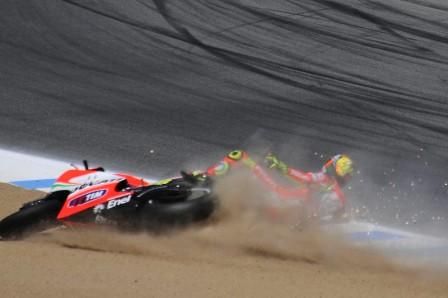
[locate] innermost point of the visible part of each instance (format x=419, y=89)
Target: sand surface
x=227, y=258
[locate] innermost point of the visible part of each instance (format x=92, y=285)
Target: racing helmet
x=340, y=167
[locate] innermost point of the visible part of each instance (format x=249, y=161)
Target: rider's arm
x=298, y=176
x=307, y=177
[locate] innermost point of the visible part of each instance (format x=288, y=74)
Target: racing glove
x=274, y=163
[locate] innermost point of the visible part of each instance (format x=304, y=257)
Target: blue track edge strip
x=34, y=184
x=375, y=235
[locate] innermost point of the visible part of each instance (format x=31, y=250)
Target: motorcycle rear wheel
x=156, y=215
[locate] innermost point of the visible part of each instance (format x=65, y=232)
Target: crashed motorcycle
x=93, y=196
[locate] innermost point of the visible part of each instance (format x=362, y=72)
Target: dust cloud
x=238, y=253
x=240, y=228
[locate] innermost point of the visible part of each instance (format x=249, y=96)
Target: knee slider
x=236, y=154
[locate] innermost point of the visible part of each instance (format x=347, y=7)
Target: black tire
x=155, y=214
x=32, y=219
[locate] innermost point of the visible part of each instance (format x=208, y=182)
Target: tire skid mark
x=273, y=70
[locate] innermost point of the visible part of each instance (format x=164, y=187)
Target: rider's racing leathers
x=319, y=191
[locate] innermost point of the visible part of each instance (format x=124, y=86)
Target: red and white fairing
x=91, y=188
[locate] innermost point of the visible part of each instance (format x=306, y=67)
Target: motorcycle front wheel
x=32, y=219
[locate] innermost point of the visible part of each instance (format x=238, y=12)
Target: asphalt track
x=155, y=86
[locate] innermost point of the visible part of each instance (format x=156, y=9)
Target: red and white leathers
x=319, y=191
x=328, y=195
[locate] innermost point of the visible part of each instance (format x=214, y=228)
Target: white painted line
x=18, y=166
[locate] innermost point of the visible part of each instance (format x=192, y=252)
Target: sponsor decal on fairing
x=87, y=198
x=117, y=202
